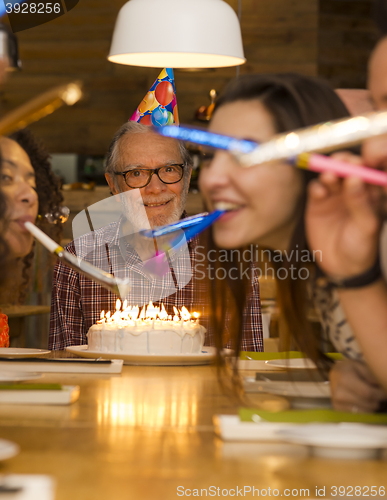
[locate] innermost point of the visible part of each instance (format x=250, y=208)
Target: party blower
x=197, y=223
x=118, y=286
x=174, y=236
x=297, y=146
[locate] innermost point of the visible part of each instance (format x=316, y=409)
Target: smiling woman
x=269, y=199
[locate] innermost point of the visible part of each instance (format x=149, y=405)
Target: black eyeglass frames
x=141, y=177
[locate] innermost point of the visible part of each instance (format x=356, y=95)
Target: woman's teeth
x=225, y=205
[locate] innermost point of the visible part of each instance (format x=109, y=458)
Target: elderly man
x=150, y=174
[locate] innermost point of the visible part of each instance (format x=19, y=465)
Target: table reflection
x=148, y=402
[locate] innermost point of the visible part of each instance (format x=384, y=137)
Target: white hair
x=131, y=127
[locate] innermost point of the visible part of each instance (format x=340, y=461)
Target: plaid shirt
x=77, y=301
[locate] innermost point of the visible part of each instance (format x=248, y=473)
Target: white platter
x=21, y=352
x=342, y=441
x=11, y=376
x=257, y=365
x=302, y=395
x=61, y=365
x=8, y=449
x=292, y=363
x=32, y=487
x=231, y=428
x=204, y=358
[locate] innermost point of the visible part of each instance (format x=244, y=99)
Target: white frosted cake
x=151, y=332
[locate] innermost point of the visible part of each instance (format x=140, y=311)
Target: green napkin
x=283, y=355
x=30, y=387
x=311, y=416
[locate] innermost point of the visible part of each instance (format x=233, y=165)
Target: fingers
x=360, y=206
x=348, y=157
x=353, y=386
x=351, y=390
x=374, y=152
x=327, y=185
x=356, y=197
x=317, y=191
x=331, y=182
x=365, y=373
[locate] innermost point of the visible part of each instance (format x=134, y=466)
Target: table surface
x=24, y=310
x=144, y=433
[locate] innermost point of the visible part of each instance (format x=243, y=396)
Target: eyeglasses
x=141, y=177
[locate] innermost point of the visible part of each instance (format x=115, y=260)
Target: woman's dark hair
x=49, y=195
x=294, y=101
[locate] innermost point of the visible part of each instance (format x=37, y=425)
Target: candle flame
x=163, y=315
x=184, y=313
x=127, y=315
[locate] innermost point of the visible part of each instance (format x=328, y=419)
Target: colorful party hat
x=159, y=106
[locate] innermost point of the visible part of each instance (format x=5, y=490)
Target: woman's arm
x=342, y=222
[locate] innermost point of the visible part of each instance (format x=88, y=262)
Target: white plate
x=67, y=395
x=302, y=395
x=204, y=358
x=8, y=449
x=345, y=440
x=292, y=363
x=231, y=428
x=21, y=352
x=18, y=376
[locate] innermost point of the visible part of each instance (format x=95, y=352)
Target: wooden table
x=142, y=434
x=17, y=321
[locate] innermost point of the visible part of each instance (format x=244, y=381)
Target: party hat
x=159, y=106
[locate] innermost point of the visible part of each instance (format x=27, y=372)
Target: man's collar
x=117, y=238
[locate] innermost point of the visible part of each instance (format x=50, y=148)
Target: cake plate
x=206, y=357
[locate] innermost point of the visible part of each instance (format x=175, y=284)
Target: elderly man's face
x=164, y=203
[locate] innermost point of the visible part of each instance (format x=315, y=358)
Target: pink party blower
x=321, y=163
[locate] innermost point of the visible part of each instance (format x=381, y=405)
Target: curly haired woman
x=29, y=187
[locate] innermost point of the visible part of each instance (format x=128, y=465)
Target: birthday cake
x=151, y=331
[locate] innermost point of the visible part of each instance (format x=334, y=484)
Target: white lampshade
x=177, y=34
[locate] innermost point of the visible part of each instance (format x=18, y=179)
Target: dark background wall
x=331, y=38
x=346, y=36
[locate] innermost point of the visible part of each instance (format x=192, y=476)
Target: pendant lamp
x=177, y=34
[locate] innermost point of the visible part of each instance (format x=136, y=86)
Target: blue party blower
x=194, y=225
x=191, y=227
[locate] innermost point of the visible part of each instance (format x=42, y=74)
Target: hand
x=374, y=152
x=354, y=388
x=342, y=224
